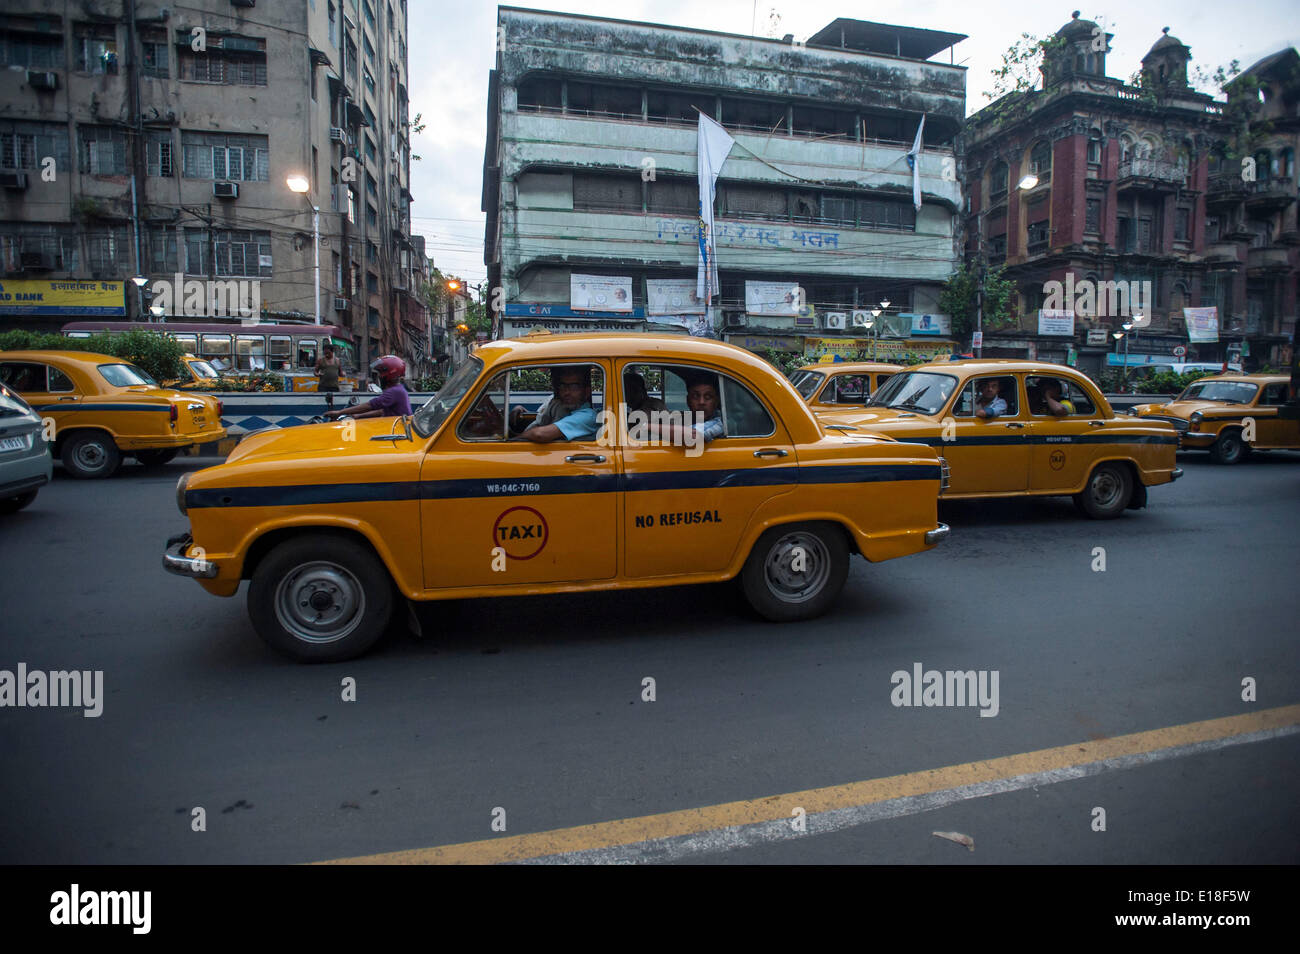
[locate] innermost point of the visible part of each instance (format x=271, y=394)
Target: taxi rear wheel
x=1107, y=492
x=796, y=571
x=320, y=598
x=91, y=454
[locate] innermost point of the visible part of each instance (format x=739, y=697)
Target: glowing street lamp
x=1028, y=182
x=301, y=184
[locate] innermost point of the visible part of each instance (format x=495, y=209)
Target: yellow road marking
x=626, y=831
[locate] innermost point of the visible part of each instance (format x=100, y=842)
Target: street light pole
x=315, y=242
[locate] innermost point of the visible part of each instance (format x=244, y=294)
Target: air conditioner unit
x=42, y=80
x=13, y=180
x=837, y=320
x=37, y=261
x=860, y=319
x=338, y=134
x=340, y=304
x=225, y=190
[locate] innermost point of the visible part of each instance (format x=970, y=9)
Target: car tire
x=1229, y=448
x=781, y=593
x=156, y=458
x=1107, y=492
x=91, y=455
x=14, y=504
x=321, y=598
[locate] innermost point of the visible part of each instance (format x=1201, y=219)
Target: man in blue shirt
x=569, y=415
x=988, y=403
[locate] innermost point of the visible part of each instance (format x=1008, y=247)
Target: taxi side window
x=1274, y=395
x=22, y=376
x=515, y=398
x=968, y=402
x=60, y=381
x=1067, y=393
x=744, y=413
x=1079, y=398
x=846, y=389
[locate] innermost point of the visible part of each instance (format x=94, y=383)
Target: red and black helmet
x=390, y=369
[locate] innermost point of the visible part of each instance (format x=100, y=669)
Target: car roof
x=841, y=366
x=544, y=346
x=1245, y=378
x=996, y=366
x=79, y=357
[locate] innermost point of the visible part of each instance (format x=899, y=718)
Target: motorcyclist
x=393, y=401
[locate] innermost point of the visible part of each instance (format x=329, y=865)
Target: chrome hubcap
x=1106, y=489
x=797, y=567
x=320, y=602
x=91, y=456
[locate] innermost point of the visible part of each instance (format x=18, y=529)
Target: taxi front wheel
x=320, y=598
x=1229, y=448
x=1107, y=492
x=796, y=571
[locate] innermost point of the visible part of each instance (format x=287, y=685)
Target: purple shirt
x=393, y=401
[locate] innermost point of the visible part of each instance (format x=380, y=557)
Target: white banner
x=930, y=324
x=1202, y=323
x=600, y=293
x=773, y=298
x=1055, y=321
x=713, y=144
x=673, y=296
x=914, y=161
x=698, y=326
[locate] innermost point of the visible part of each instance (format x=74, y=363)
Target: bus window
x=189, y=342
x=216, y=348
x=347, y=354
x=307, y=353
x=251, y=355
x=281, y=353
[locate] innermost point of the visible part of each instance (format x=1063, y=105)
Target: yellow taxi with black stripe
x=1013, y=427
x=834, y=385
x=105, y=408
x=1230, y=415
x=615, y=488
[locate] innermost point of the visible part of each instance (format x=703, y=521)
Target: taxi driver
x=568, y=416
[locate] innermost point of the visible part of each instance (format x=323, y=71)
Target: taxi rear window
x=123, y=375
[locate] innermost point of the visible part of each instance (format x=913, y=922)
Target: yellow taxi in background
x=104, y=408
x=1229, y=415
x=1013, y=427
x=829, y=387
x=198, y=375
x=331, y=521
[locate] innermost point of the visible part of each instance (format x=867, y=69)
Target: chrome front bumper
x=938, y=534
x=175, y=561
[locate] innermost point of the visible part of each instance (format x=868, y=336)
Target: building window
x=23, y=145
x=1216, y=291
x=225, y=157
x=599, y=99
x=1094, y=148
x=102, y=150
x=334, y=189
x=29, y=48
x=163, y=259
x=540, y=93
x=752, y=114
x=237, y=253
x=607, y=193
x=108, y=251
x=368, y=80
x=1040, y=161
x=96, y=47
x=758, y=202
x=228, y=61
x=824, y=123
x=367, y=49
x=886, y=214
x=1182, y=224
x=1092, y=220
x=153, y=59
x=315, y=170
x=673, y=197
x=158, y=154
x=998, y=176
x=38, y=247
x=668, y=107
x=372, y=283
x=370, y=150
x=372, y=216
x=334, y=25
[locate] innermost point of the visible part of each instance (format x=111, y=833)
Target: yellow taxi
x=104, y=408
x=829, y=387
x=199, y=375
x=606, y=485
x=1013, y=427
x=1229, y=415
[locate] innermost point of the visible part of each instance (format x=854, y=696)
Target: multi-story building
x=590, y=170
x=1252, y=237
x=1116, y=203
x=138, y=138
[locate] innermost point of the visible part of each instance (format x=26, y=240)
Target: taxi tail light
x=220, y=407
x=171, y=413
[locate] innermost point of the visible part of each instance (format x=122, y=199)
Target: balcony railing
x=1158, y=169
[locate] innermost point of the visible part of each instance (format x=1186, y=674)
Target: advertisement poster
x=698, y=326
x=1053, y=321
x=1202, y=323
x=67, y=298
x=673, y=296
x=772, y=298
x=600, y=293
x=930, y=324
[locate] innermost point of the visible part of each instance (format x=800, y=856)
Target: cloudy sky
x=452, y=50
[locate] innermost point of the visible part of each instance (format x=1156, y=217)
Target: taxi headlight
x=180, y=492
x=1194, y=422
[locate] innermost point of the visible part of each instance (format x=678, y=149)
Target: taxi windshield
x=921, y=391
x=201, y=369
x=435, y=410
x=125, y=375
x=805, y=382
x=1233, y=392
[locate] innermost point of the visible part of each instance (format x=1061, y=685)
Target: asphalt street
x=530, y=711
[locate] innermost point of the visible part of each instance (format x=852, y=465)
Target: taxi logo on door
x=1057, y=460
x=521, y=532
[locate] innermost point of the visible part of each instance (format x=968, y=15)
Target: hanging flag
x=914, y=163
x=713, y=145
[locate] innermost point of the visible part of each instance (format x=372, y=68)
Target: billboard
x=673, y=296
x=67, y=298
x=600, y=293
x=1202, y=323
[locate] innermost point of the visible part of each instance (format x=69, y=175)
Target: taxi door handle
x=770, y=452
x=1014, y=424
x=67, y=399
x=1096, y=423
x=585, y=458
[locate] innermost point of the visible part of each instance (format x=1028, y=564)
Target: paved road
x=535, y=705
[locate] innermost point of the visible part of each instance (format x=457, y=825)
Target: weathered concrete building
x=1124, y=175
x=590, y=170
x=139, y=138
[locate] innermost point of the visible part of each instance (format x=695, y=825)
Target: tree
x=1021, y=65
x=959, y=299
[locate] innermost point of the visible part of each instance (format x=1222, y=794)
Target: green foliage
x=787, y=362
x=959, y=299
x=1143, y=381
x=153, y=352
x=428, y=385
x=250, y=381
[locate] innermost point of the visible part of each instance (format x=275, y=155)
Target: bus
x=288, y=350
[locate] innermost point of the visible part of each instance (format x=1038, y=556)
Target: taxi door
x=495, y=511
x=1064, y=449
x=685, y=512
x=988, y=455
x=50, y=392
x=1272, y=430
